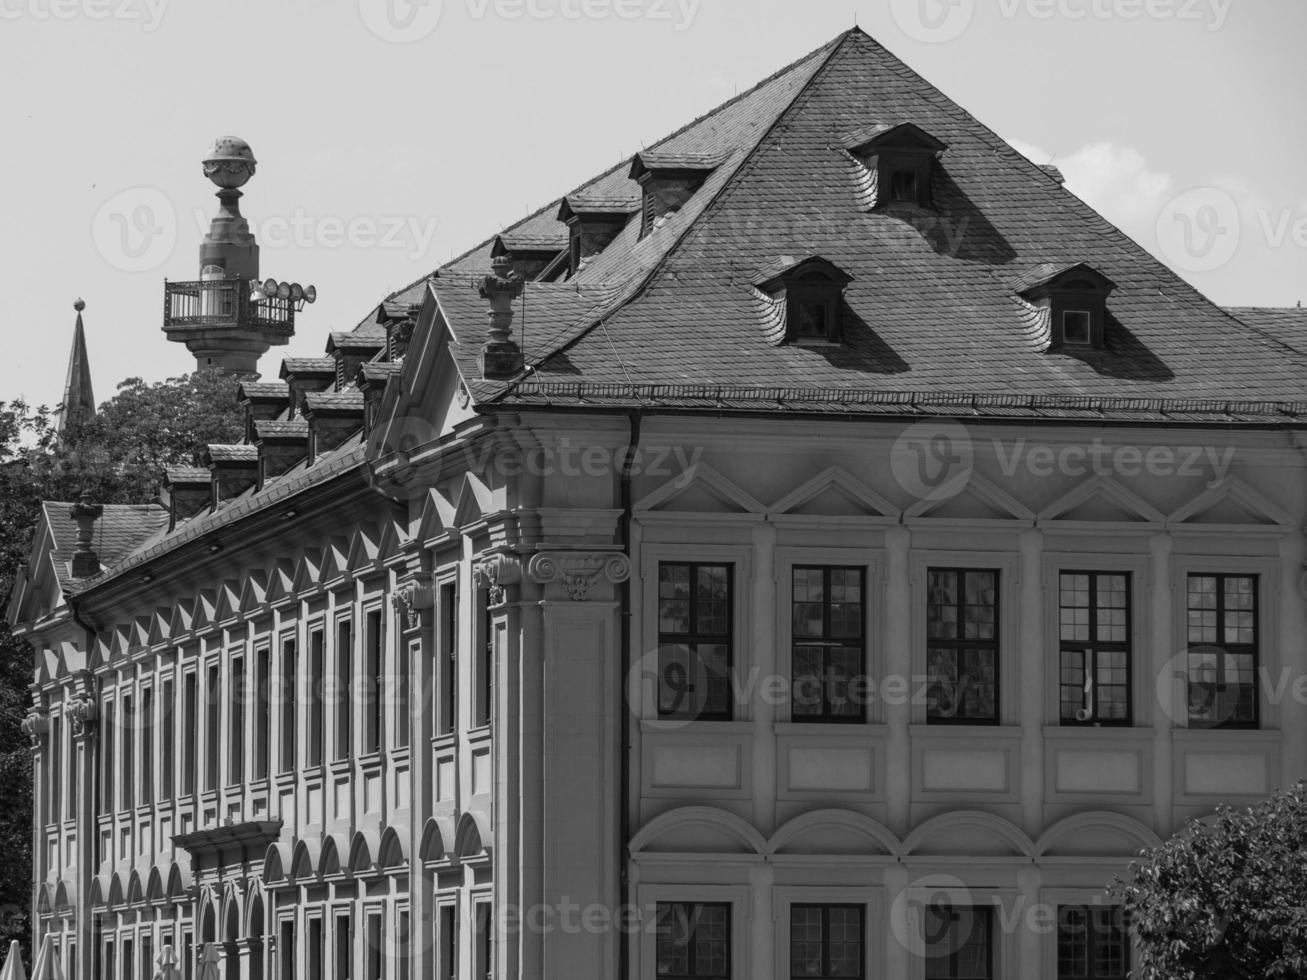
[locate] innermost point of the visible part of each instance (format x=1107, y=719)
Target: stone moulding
x=83, y=713
x=495, y=574
x=579, y=572
x=410, y=600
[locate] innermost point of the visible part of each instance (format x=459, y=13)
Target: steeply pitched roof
x=78, y=403
x=118, y=532
x=1288, y=325
x=932, y=308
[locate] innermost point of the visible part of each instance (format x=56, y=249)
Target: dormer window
x=808, y=294
x=668, y=181
x=902, y=160
x=1073, y=298
x=593, y=223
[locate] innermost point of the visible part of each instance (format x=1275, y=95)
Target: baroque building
x=841, y=554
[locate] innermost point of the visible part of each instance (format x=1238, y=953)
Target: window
x=289, y=699
x=130, y=721
x=262, y=714
x=402, y=957
x=693, y=941
x=373, y=682
x=168, y=743
x=962, y=656
x=236, y=720
x=214, y=694
x=903, y=187
x=374, y=950
x=315, y=947
x=1094, y=624
x=448, y=966
x=1092, y=943
x=344, y=946
x=1223, y=651
x=317, y=677
x=694, y=641
x=344, y=686
x=147, y=956
x=484, y=696
x=811, y=292
x=110, y=961
x=959, y=943
x=1077, y=327
x=190, y=719
x=54, y=805
x=286, y=948
x=108, y=728
x=147, y=745
x=447, y=659
x=812, y=318
x=485, y=963
x=186, y=957
x=828, y=626
x=827, y=941
x=403, y=666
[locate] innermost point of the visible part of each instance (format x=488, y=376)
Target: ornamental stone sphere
x=230, y=162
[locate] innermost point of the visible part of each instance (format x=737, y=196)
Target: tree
x=118, y=456
x=1224, y=900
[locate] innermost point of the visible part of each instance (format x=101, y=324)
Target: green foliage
x=119, y=456
x=1225, y=900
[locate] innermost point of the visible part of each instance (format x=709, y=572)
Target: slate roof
x=932, y=309
x=1288, y=325
x=120, y=531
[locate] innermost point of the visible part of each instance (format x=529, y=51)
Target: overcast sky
x=392, y=136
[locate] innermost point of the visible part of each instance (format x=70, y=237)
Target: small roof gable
x=789, y=267
x=648, y=161
x=612, y=206
x=1050, y=275
x=906, y=135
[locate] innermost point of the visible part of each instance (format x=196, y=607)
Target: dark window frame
x=959, y=645
x=826, y=967
x=693, y=639
x=1092, y=922
x=693, y=912
x=828, y=643
x=1091, y=648
x=1224, y=649
x=981, y=912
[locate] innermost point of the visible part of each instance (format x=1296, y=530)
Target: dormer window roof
x=1073, y=297
x=668, y=181
x=531, y=253
x=592, y=224
x=807, y=293
x=902, y=159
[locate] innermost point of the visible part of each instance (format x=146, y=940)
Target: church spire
x=79, y=400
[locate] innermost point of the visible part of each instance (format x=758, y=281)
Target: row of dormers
x=808, y=294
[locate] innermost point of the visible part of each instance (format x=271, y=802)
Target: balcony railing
x=224, y=303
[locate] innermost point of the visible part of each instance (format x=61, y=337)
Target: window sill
x=440, y=743
x=480, y=735
x=339, y=767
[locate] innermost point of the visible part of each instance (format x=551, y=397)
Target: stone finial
x=500, y=357
x=85, y=512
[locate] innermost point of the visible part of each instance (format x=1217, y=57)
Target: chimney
x=305, y=374
x=332, y=418
x=85, y=512
x=190, y=492
x=500, y=357
x=262, y=400
x=235, y=469
x=349, y=350
x=281, y=445
x=372, y=380
x=399, y=319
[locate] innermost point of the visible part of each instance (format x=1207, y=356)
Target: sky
x=391, y=136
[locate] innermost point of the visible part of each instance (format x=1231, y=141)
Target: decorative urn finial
x=500, y=357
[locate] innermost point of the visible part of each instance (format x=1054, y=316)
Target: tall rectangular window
x=147, y=956
x=70, y=775
x=693, y=941
x=403, y=666
x=147, y=745
x=1223, y=651
x=344, y=687
x=129, y=960
x=236, y=723
x=485, y=965
x=108, y=774
x=827, y=941
x=262, y=713
x=286, y=948
x=694, y=641
x=213, y=697
x=315, y=947
x=374, y=950
x=959, y=943
x=190, y=719
x=289, y=702
x=402, y=946
x=447, y=660
x=317, y=677
x=187, y=955
x=344, y=946
x=110, y=961
x=485, y=665
x=1093, y=943
x=829, y=654
x=373, y=682
x=129, y=722
x=962, y=631
x=167, y=739
x=1094, y=623
x=53, y=801
x=448, y=966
